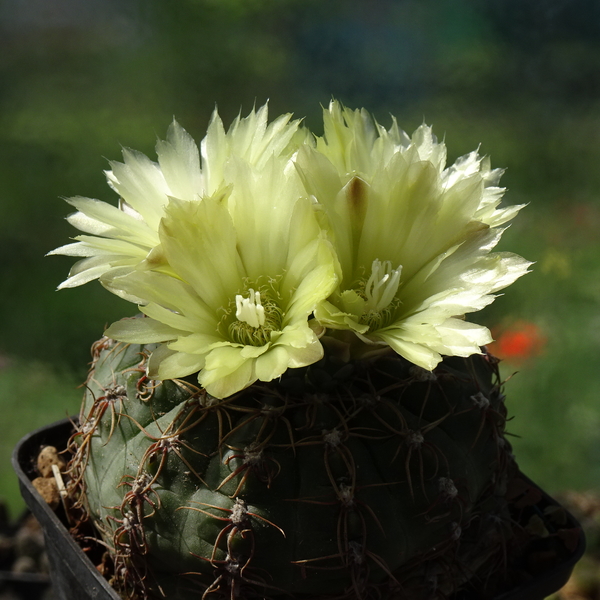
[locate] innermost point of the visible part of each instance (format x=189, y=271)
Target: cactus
x=303, y=409
x=353, y=479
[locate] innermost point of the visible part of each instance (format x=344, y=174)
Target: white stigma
x=250, y=310
x=382, y=286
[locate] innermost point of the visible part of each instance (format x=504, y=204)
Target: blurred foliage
x=522, y=77
x=36, y=394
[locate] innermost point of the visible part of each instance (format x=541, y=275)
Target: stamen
x=250, y=310
x=257, y=317
x=382, y=285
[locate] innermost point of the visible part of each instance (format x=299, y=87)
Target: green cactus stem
x=341, y=480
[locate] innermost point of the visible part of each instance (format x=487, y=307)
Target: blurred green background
x=79, y=80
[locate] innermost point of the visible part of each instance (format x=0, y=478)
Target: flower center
x=255, y=318
x=379, y=293
x=250, y=310
x=382, y=286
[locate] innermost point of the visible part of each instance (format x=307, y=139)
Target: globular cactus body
x=352, y=480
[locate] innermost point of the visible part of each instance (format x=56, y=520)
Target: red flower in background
x=519, y=342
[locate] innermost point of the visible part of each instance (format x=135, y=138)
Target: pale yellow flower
x=413, y=237
x=247, y=273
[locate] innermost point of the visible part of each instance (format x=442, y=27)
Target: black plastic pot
x=75, y=577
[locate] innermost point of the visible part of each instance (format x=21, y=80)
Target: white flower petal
x=416, y=353
x=140, y=182
x=197, y=343
x=123, y=226
x=141, y=331
x=92, y=268
x=174, y=365
x=199, y=241
x=163, y=290
x=76, y=249
x=179, y=161
x=88, y=224
x=226, y=372
x=272, y=364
